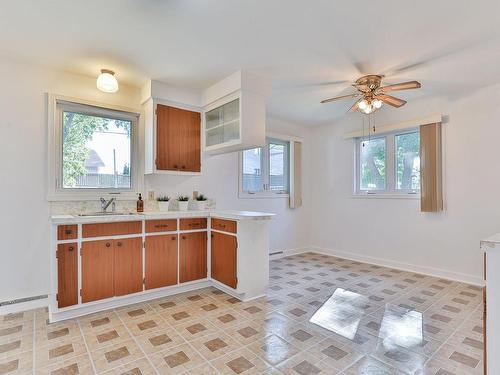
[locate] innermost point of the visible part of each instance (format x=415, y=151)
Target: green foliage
x=407, y=149
x=201, y=198
x=183, y=198
x=77, y=131
x=163, y=198
x=373, y=164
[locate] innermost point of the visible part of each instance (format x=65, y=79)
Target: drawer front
x=67, y=232
x=196, y=223
x=111, y=229
x=161, y=225
x=224, y=225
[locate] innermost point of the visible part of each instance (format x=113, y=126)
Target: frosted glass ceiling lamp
x=107, y=82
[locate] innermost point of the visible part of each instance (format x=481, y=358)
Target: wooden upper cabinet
x=67, y=274
x=193, y=256
x=161, y=261
x=128, y=266
x=178, y=139
x=97, y=270
x=223, y=259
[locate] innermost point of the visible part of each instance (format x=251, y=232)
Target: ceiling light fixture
x=107, y=82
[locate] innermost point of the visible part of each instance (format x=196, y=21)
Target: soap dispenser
x=140, y=204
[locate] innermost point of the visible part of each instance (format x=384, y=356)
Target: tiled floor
x=367, y=320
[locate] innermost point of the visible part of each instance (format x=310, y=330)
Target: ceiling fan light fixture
x=106, y=81
x=363, y=104
x=377, y=103
x=368, y=109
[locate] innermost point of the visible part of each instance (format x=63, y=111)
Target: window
x=92, y=150
x=265, y=170
x=388, y=164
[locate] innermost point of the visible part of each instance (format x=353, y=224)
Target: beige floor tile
x=215, y=345
x=162, y=339
x=15, y=318
x=18, y=364
x=177, y=360
x=464, y=359
x=59, y=350
x=139, y=367
x=97, y=339
x=13, y=346
x=81, y=365
x=99, y=321
x=16, y=329
x=242, y=361
x=305, y=364
x=145, y=324
x=273, y=349
x=113, y=356
x=335, y=353
x=195, y=329
x=400, y=358
x=370, y=366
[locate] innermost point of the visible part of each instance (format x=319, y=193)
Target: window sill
x=386, y=196
x=262, y=196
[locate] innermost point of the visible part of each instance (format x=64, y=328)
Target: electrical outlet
x=151, y=195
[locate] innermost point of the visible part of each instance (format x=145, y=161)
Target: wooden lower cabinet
x=192, y=256
x=67, y=274
x=97, y=270
x=128, y=266
x=161, y=261
x=223, y=259
x=111, y=268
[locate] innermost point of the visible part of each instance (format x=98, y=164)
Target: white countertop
x=223, y=214
x=492, y=239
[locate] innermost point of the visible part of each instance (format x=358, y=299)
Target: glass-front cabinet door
x=222, y=124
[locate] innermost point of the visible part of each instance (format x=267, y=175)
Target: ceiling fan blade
x=401, y=86
x=354, y=107
x=340, y=97
x=391, y=100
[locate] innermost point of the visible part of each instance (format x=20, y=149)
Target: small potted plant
x=163, y=202
x=183, y=202
x=201, y=202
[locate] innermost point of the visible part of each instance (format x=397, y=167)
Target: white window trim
x=54, y=152
x=390, y=192
x=268, y=193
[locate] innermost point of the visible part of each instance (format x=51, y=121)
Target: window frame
x=265, y=163
x=390, y=190
x=59, y=104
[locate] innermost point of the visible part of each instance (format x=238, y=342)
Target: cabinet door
x=161, y=261
x=178, y=139
x=67, y=274
x=193, y=256
x=167, y=138
x=224, y=258
x=190, y=138
x=97, y=270
x=128, y=266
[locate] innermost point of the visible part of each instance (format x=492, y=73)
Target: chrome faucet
x=105, y=204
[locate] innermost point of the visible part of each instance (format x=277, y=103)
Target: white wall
x=394, y=230
x=24, y=223
x=220, y=182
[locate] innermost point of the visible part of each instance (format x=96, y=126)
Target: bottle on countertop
x=140, y=204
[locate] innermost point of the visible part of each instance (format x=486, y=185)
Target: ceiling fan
x=371, y=95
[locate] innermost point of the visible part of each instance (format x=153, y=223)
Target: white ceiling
x=451, y=46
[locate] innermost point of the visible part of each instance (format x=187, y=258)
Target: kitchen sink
x=111, y=213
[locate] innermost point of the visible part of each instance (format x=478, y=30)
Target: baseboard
x=288, y=252
x=430, y=271
x=24, y=306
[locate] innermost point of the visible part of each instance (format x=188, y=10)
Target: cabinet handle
x=119, y=244
x=183, y=167
x=108, y=244
x=175, y=166
x=222, y=225
x=173, y=238
x=68, y=231
x=183, y=237
x=161, y=226
x=71, y=248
